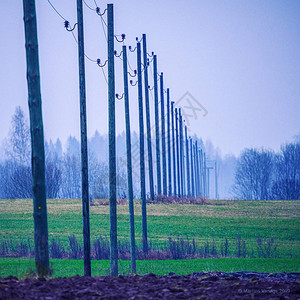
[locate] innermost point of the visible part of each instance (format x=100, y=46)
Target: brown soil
x=217, y=285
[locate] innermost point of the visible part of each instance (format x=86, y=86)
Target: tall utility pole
x=37, y=140
x=201, y=173
x=177, y=151
x=142, y=155
x=216, y=180
x=208, y=183
x=112, y=142
x=181, y=153
x=197, y=177
x=129, y=164
x=187, y=164
x=192, y=170
x=157, y=139
x=204, y=176
x=163, y=134
x=84, y=152
x=173, y=147
x=183, y=157
x=149, y=141
x=169, y=145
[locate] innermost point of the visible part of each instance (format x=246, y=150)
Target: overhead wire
x=56, y=10
x=90, y=59
x=67, y=26
x=88, y=6
x=102, y=23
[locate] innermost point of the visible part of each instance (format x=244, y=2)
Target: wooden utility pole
x=148, y=124
x=192, y=169
x=183, y=159
x=112, y=142
x=163, y=134
x=181, y=152
x=84, y=152
x=197, y=175
x=157, y=139
x=37, y=140
x=142, y=154
x=216, y=180
x=201, y=191
x=129, y=164
x=204, y=176
x=208, y=181
x=187, y=164
x=173, y=147
x=169, y=145
x=177, y=152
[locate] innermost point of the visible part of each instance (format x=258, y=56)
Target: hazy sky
x=239, y=59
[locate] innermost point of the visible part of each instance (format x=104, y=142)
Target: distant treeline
x=257, y=174
x=63, y=165
x=263, y=174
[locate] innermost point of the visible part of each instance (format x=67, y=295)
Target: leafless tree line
x=263, y=174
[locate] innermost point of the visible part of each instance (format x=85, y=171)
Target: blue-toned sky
x=239, y=59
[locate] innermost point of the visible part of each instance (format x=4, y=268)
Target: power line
x=67, y=26
x=88, y=6
x=90, y=59
x=102, y=67
x=97, y=9
x=102, y=23
x=104, y=75
x=130, y=66
x=56, y=10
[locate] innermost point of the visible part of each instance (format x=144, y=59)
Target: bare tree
x=253, y=175
x=71, y=174
x=16, y=180
x=53, y=166
x=287, y=176
x=18, y=148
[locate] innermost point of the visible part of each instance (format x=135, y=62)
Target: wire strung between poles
x=128, y=60
x=88, y=6
x=56, y=10
x=119, y=56
x=69, y=28
x=90, y=59
x=130, y=66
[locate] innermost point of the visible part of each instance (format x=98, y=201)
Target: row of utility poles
x=180, y=171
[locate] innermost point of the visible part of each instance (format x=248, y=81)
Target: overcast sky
x=240, y=60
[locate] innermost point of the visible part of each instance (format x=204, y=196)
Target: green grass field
x=24, y=267
x=216, y=220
